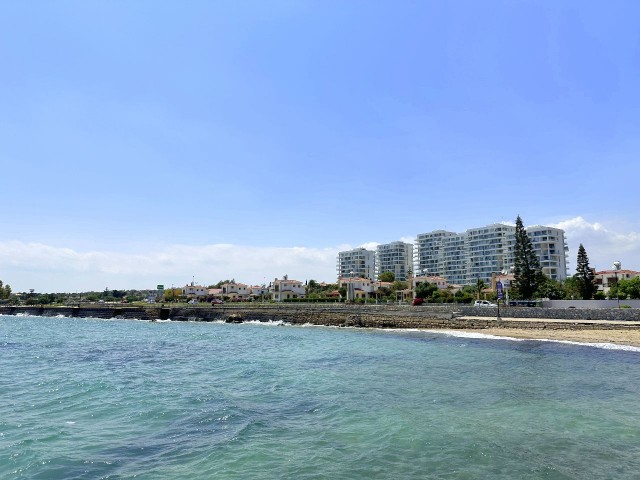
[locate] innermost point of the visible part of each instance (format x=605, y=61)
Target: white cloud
x=603, y=245
x=54, y=269
x=49, y=268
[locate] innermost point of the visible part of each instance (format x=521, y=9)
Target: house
x=258, y=291
x=284, y=289
x=194, y=291
x=357, y=287
x=235, y=291
x=605, y=279
x=438, y=281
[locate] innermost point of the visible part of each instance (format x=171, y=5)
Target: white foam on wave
x=463, y=334
x=270, y=323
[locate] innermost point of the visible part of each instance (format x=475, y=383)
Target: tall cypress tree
x=584, y=275
x=528, y=275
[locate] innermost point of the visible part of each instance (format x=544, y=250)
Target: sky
x=146, y=142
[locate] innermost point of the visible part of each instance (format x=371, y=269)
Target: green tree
x=425, y=290
x=479, y=286
x=527, y=272
x=386, y=277
x=398, y=285
x=584, y=275
x=551, y=289
x=571, y=289
x=629, y=288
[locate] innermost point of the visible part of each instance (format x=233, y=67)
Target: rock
x=234, y=318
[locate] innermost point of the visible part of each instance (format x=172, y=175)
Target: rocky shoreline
x=367, y=316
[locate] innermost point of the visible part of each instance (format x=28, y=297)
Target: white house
x=258, y=291
x=357, y=287
x=235, y=290
x=194, y=291
x=605, y=279
x=283, y=289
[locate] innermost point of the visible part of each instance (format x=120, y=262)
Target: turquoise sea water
x=86, y=398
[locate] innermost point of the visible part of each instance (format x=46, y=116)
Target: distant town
x=440, y=267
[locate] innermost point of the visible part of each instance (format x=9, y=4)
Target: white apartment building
x=549, y=244
x=359, y=262
x=397, y=258
x=463, y=258
x=489, y=250
x=284, y=289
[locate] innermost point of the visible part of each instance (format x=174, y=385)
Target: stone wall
x=379, y=316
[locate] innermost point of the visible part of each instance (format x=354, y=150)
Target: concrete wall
x=589, y=303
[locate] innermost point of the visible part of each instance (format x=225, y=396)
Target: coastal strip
x=620, y=326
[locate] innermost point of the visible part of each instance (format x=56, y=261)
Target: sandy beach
x=620, y=337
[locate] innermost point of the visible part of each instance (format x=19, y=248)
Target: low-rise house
x=439, y=282
x=194, y=291
x=284, y=289
x=258, y=291
x=215, y=292
x=605, y=279
x=235, y=291
x=357, y=287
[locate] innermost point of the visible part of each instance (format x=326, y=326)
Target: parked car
x=483, y=303
x=216, y=301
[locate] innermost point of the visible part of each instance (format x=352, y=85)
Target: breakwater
x=371, y=316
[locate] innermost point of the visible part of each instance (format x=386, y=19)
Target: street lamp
x=617, y=266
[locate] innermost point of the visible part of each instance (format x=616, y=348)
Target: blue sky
x=153, y=142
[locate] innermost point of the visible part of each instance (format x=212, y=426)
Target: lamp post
x=617, y=266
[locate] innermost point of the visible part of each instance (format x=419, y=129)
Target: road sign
x=160, y=287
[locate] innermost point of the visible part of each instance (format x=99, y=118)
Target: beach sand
x=620, y=337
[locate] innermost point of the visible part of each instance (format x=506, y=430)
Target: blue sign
x=499, y=289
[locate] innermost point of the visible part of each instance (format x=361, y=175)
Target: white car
x=483, y=303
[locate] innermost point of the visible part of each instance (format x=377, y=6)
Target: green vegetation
x=425, y=290
x=5, y=291
x=584, y=275
x=625, y=289
x=386, y=277
x=528, y=274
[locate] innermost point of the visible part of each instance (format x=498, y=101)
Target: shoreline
x=618, y=337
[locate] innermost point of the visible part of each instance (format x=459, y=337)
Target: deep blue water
x=86, y=398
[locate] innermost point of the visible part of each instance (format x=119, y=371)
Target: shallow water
x=86, y=398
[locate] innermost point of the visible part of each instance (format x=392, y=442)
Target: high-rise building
x=359, y=262
x=395, y=257
x=463, y=258
x=549, y=244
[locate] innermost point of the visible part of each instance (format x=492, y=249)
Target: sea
x=84, y=398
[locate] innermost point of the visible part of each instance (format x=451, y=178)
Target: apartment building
x=463, y=258
x=489, y=249
x=359, y=262
x=549, y=244
x=395, y=257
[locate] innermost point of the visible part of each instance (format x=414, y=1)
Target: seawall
x=372, y=316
